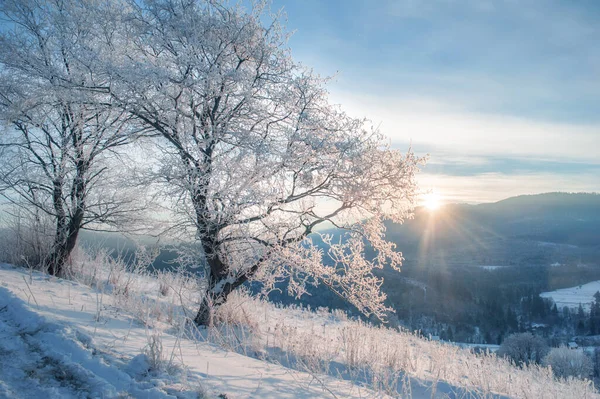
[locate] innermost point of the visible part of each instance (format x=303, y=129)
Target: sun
x=432, y=201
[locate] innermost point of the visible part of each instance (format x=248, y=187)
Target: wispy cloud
x=490, y=187
x=534, y=59
x=477, y=157
x=448, y=130
x=501, y=93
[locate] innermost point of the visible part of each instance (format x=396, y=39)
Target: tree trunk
x=57, y=257
x=219, y=283
x=63, y=246
x=56, y=260
x=60, y=254
x=217, y=295
x=206, y=312
x=213, y=297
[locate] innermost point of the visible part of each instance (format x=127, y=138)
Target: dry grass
x=382, y=357
x=320, y=342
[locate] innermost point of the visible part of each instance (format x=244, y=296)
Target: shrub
x=566, y=362
x=524, y=348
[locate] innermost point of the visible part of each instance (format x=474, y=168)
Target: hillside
x=472, y=273
x=61, y=339
x=503, y=231
x=127, y=336
x=476, y=264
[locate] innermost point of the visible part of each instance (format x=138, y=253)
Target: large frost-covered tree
x=255, y=156
x=59, y=126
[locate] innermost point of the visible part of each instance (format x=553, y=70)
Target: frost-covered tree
x=524, y=348
x=566, y=362
x=60, y=129
x=254, y=156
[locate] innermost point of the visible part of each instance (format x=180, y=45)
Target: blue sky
x=503, y=95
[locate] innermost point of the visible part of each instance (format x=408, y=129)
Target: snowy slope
x=61, y=338
x=42, y=359
x=573, y=296
x=54, y=345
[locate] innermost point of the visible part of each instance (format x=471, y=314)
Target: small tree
x=566, y=362
x=596, y=361
x=60, y=131
x=523, y=348
x=254, y=157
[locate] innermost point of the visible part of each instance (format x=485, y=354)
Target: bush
x=523, y=348
x=26, y=238
x=566, y=362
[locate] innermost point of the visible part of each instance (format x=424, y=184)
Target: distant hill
x=462, y=251
x=538, y=221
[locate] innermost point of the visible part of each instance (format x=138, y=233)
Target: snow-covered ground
x=44, y=359
x=125, y=338
x=59, y=339
x=573, y=296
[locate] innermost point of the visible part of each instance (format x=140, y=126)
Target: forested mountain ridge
x=474, y=272
x=559, y=218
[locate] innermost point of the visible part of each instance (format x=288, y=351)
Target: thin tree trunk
x=55, y=261
x=56, y=258
x=67, y=230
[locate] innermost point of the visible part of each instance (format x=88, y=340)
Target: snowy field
x=573, y=296
x=59, y=339
x=125, y=338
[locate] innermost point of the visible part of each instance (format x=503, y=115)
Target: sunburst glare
x=432, y=201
